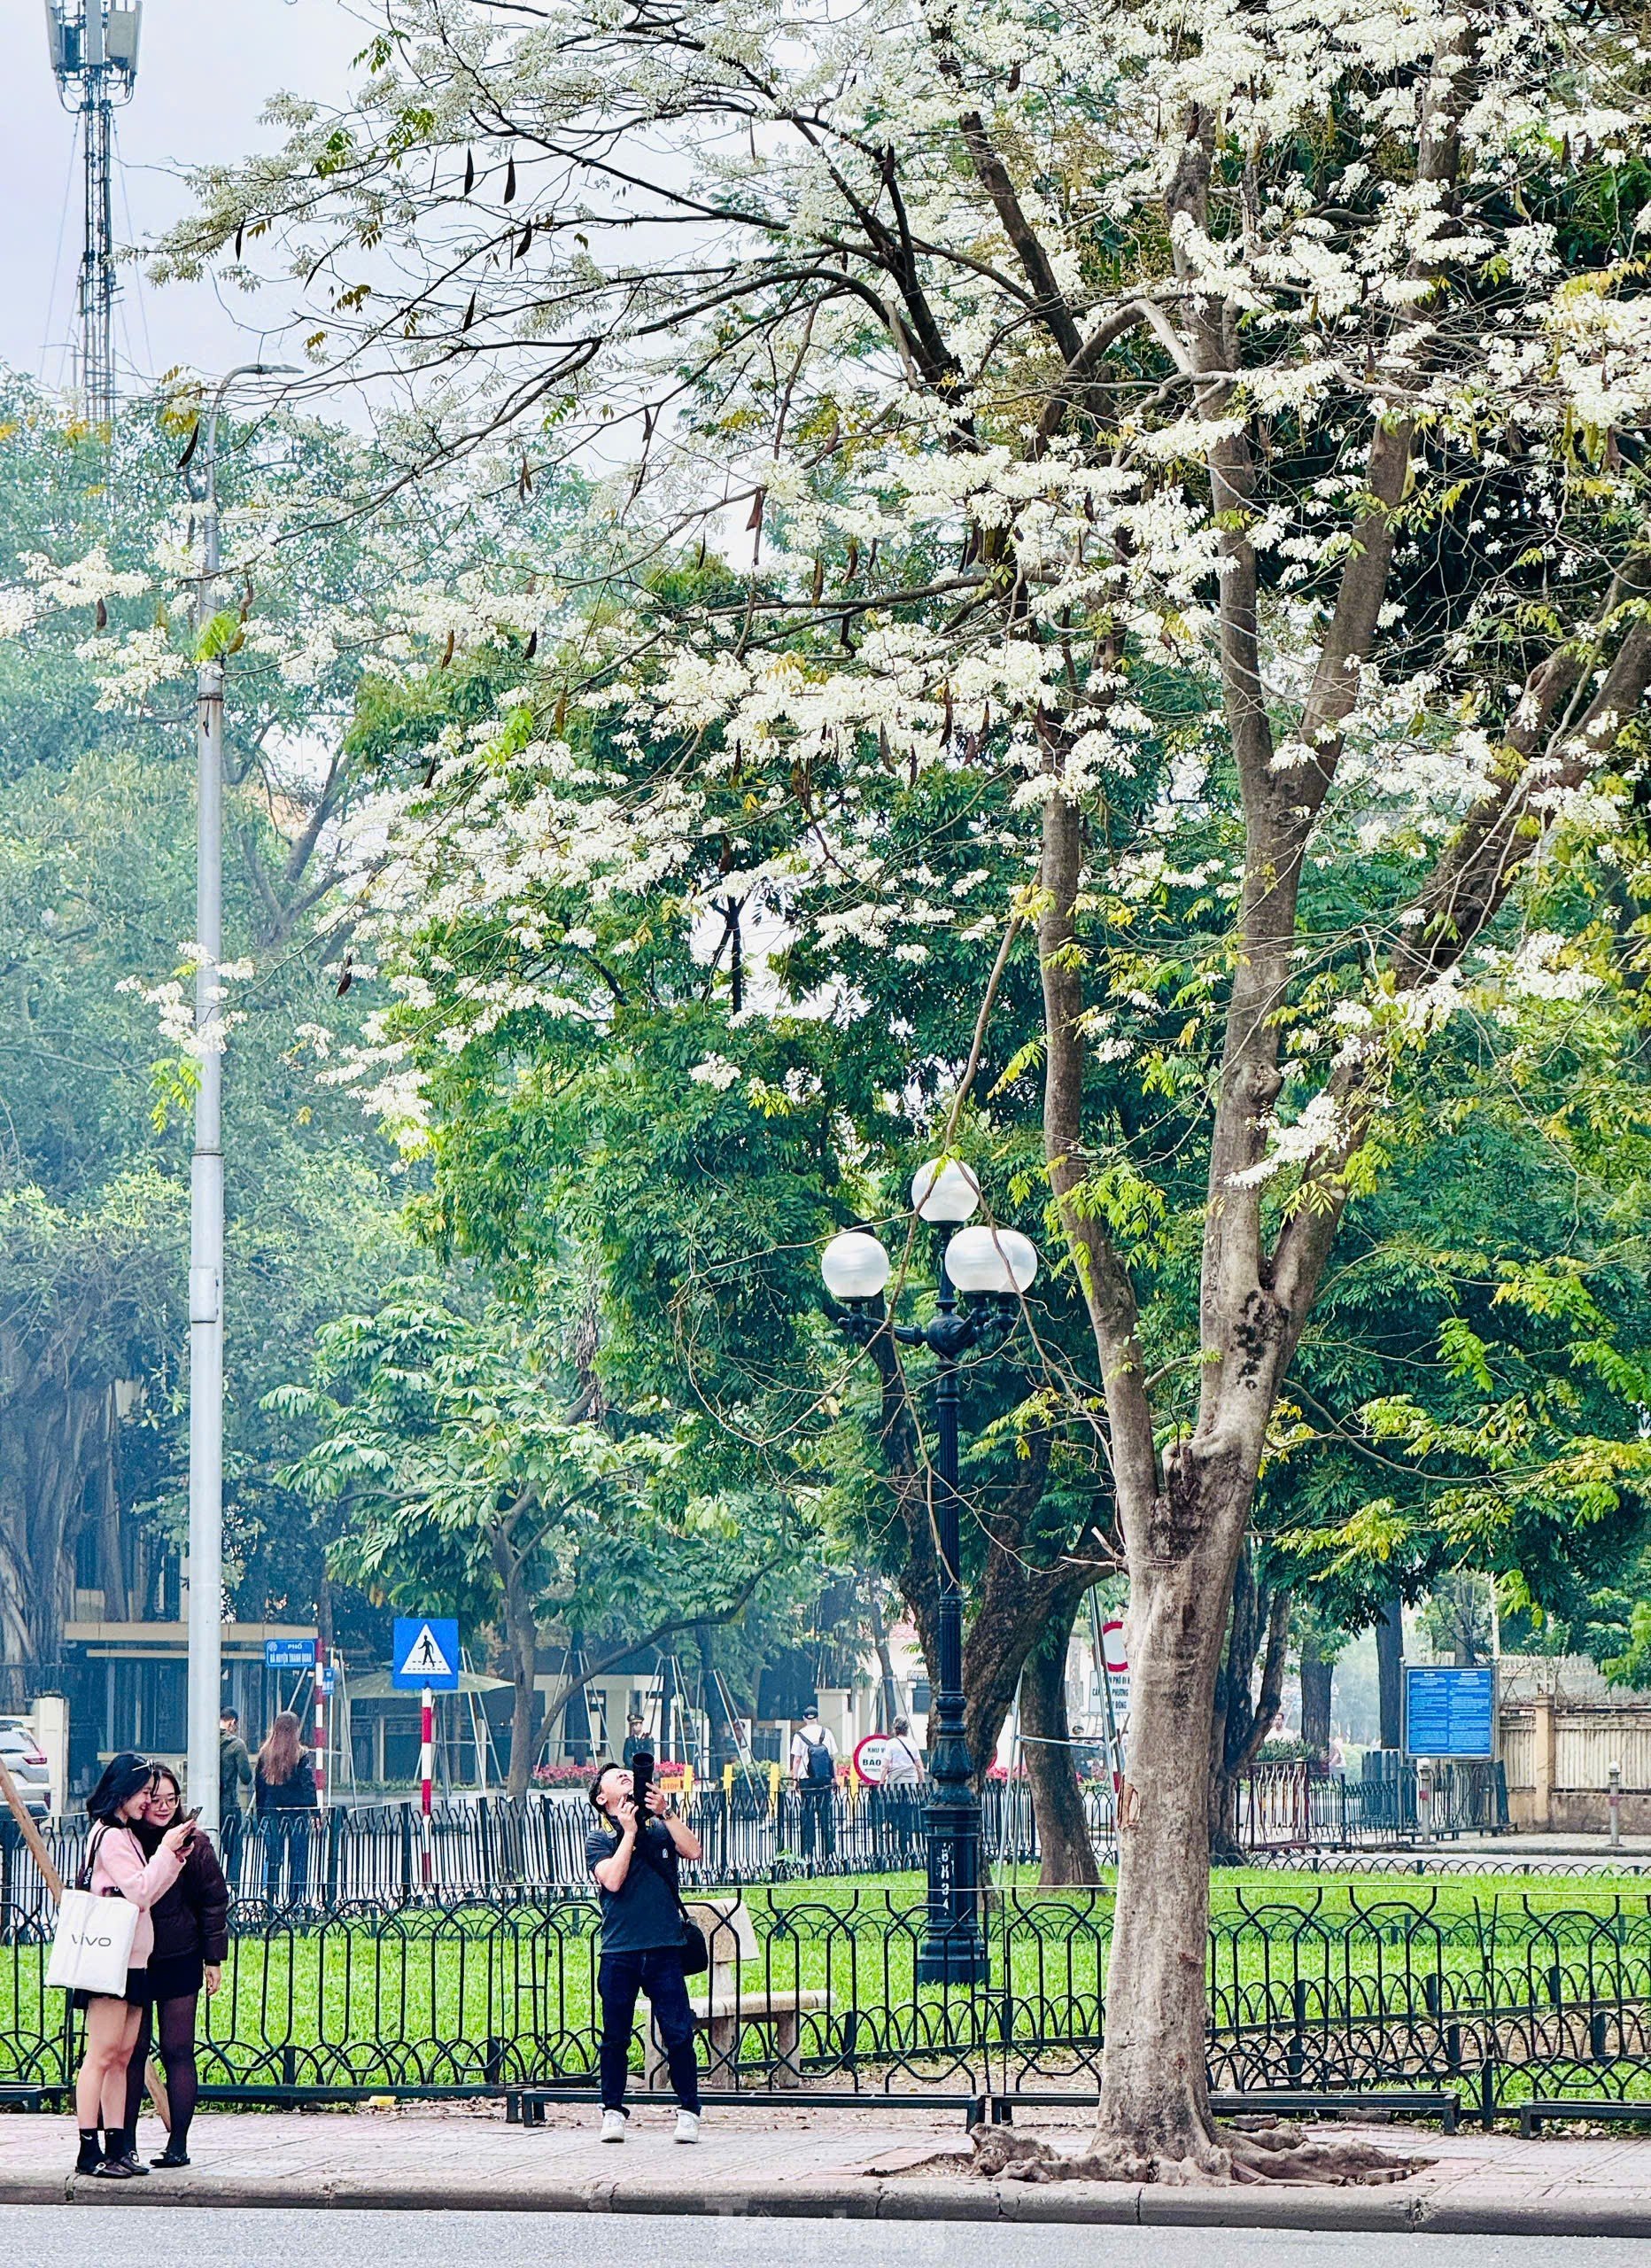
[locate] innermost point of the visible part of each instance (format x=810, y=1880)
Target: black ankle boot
x=121, y=2161
x=92, y=2151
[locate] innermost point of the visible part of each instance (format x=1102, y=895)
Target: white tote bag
x=91, y=1947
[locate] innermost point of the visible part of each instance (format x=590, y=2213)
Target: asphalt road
x=87, y=2236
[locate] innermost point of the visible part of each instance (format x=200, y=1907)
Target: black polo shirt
x=643, y=1915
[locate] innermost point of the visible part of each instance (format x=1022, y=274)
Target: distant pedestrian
x=191, y=1943
x=634, y=1739
x=900, y=1797
x=117, y=1866
x=814, y=1774
x=903, y=1766
x=234, y=1772
x=284, y=1800
x=635, y=1861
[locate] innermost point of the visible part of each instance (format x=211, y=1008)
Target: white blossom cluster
x=986, y=353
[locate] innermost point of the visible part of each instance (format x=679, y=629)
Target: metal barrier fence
x=388, y=1855
x=1497, y=1999
x=478, y=1848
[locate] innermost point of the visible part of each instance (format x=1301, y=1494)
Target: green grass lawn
x=450, y=1998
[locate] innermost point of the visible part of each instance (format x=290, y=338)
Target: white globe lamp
x=944, y=1190
x=855, y=1266
x=997, y=1261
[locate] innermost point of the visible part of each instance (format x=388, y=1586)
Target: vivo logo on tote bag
x=91, y=1947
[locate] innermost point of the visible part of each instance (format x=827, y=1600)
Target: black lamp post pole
x=954, y=1949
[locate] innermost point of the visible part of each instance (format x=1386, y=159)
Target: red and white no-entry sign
x=1113, y=1650
x=871, y=1760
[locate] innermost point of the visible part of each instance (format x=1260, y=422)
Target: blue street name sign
x=425, y=1651
x=1450, y=1711
x=289, y=1653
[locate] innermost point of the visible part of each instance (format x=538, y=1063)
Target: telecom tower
x=94, y=57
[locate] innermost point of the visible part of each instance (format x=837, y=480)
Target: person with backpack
x=814, y=1774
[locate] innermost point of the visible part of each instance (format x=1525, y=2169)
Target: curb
x=860, y=2198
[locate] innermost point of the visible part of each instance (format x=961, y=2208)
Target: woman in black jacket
x=283, y=1800
x=192, y=1941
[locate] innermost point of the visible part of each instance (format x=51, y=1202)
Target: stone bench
x=1545, y=2112
x=721, y=2005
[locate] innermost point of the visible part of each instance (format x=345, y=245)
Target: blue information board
x=425, y=1651
x=289, y=1653
x=1450, y=1711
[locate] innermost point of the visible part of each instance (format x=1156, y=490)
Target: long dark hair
x=282, y=1751
x=123, y=1777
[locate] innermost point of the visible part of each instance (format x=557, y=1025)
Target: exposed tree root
x=1260, y=2149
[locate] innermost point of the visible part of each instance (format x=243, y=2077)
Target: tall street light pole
x=205, y=1546
x=992, y=1268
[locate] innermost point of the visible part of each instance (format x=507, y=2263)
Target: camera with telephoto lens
x=642, y=1775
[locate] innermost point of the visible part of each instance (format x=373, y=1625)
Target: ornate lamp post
x=990, y=1267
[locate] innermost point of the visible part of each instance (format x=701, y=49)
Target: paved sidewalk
x=1546, y=1849
x=822, y=2163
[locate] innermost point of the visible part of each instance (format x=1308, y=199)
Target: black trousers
x=233, y=1829
x=619, y=1978
x=819, y=1820
x=286, y=1837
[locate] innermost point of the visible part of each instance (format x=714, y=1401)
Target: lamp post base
x=956, y=1956
x=953, y=1950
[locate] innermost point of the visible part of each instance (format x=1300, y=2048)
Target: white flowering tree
x=1252, y=398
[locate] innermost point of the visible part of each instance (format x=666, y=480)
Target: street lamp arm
x=976, y=1329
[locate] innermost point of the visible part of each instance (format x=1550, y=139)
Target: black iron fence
x=1497, y=2000
x=389, y=1854
x=1294, y=1806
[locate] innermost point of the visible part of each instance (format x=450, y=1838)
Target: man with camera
x=634, y=1853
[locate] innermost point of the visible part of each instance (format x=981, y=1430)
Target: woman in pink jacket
x=120, y=1869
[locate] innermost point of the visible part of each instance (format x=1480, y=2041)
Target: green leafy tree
x=1057, y=356
x=453, y=1446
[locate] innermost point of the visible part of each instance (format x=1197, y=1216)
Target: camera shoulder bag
x=696, y=1954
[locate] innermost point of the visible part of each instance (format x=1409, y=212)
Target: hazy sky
x=205, y=69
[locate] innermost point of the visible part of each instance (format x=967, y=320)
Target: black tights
x=170, y=2025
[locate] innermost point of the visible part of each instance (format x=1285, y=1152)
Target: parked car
x=26, y=1760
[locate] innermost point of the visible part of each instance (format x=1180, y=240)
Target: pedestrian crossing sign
x=425, y=1653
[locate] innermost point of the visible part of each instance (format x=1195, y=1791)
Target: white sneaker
x=614, y=2123
x=687, y=2125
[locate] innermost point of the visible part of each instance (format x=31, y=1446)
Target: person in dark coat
x=283, y=1800
x=234, y=1772
x=192, y=1944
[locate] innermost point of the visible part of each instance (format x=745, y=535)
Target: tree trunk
x=521, y=1642
x=890, y=1698
x=1390, y=1648
x=577, y=1713
x=725, y=1749
x=1067, y=1854
x=1241, y=1718
x=1316, y=1677
x=50, y=1440
x=1155, y=2103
